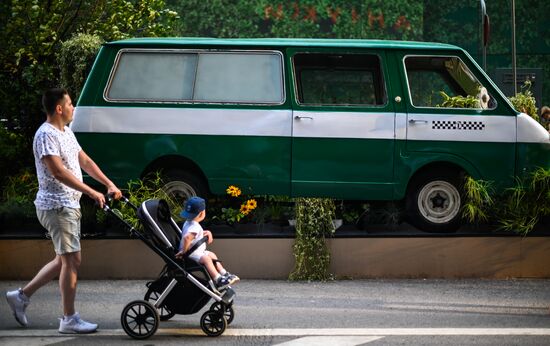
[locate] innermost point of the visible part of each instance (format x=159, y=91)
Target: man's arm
x=90, y=167
x=58, y=170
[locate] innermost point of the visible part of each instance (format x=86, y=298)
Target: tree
x=31, y=32
x=216, y=18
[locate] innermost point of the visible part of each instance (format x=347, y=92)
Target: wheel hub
x=439, y=201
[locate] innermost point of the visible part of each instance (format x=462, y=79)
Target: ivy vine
x=313, y=224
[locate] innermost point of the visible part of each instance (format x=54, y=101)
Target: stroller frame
x=140, y=318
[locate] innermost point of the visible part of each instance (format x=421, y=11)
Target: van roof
x=279, y=42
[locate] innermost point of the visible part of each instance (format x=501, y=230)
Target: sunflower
x=233, y=191
x=244, y=209
x=251, y=204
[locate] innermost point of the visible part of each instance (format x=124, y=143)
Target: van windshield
x=445, y=82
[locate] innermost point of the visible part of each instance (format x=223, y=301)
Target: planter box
x=265, y=258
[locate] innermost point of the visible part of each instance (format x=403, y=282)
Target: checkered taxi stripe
x=458, y=125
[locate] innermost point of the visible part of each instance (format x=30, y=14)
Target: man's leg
x=45, y=275
x=71, y=323
x=70, y=263
x=18, y=300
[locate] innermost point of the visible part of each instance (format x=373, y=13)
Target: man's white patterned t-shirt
x=52, y=193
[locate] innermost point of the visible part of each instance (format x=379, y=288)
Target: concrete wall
x=431, y=257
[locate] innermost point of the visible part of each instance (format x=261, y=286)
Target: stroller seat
x=157, y=219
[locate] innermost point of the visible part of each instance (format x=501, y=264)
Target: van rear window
x=210, y=77
x=339, y=79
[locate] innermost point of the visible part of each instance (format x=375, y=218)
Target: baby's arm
x=209, y=235
x=187, y=240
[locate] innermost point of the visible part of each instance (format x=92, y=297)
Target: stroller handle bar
x=109, y=198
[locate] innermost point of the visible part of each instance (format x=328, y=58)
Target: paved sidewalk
x=275, y=308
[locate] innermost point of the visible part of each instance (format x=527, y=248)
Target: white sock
x=223, y=272
x=23, y=295
x=67, y=318
x=218, y=276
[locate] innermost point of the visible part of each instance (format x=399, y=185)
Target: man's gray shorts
x=63, y=225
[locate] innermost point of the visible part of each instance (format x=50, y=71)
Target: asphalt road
x=353, y=312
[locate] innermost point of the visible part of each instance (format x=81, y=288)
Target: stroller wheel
x=213, y=323
x=139, y=319
x=152, y=296
x=229, y=313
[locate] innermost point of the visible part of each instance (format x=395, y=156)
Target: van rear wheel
x=180, y=185
x=434, y=203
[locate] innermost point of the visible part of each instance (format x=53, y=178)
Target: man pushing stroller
x=194, y=212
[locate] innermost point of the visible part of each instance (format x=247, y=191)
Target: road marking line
x=301, y=332
x=28, y=341
x=330, y=340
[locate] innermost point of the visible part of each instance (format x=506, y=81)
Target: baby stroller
x=183, y=287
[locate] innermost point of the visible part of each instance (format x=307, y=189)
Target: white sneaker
x=18, y=303
x=76, y=325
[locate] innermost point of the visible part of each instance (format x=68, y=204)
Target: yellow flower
x=244, y=209
x=233, y=191
x=251, y=204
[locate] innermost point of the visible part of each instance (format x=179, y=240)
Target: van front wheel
x=434, y=204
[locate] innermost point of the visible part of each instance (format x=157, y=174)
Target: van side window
x=246, y=77
x=433, y=81
x=153, y=76
x=168, y=76
x=339, y=79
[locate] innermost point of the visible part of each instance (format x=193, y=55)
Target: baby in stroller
x=194, y=212
x=184, y=285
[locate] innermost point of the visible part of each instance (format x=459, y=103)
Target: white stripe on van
x=307, y=124
x=461, y=128
x=233, y=122
x=195, y=121
x=343, y=125
x=530, y=131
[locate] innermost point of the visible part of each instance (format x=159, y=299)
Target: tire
x=229, y=313
x=434, y=202
x=180, y=185
x=213, y=323
x=152, y=296
x=139, y=319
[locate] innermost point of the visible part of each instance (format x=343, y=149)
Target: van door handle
x=414, y=121
x=297, y=117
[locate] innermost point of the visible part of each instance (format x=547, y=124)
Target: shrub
x=13, y=153
x=518, y=209
x=18, y=196
x=313, y=224
x=75, y=59
x=525, y=102
x=141, y=190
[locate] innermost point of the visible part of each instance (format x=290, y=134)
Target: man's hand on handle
x=99, y=198
x=114, y=191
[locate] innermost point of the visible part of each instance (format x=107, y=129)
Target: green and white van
x=347, y=119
